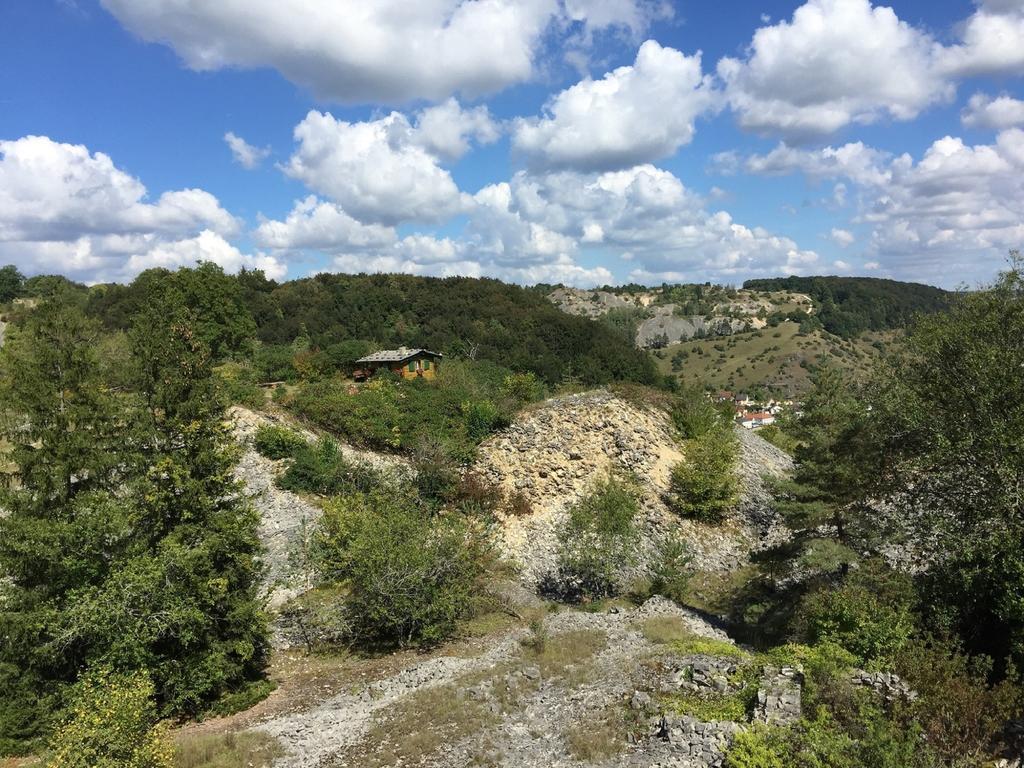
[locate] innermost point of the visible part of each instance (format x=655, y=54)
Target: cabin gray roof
x=396, y=355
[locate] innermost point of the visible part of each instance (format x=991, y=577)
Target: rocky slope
x=285, y=518
x=553, y=453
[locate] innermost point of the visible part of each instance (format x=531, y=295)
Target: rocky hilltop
x=554, y=452
x=663, y=321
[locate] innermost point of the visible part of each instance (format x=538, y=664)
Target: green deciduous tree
x=110, y=722
x=949, y=416
x=11, y=282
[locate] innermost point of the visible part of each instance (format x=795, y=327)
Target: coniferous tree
x=127, y=542
x=61, y=526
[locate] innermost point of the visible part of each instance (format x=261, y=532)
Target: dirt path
x=485, y=701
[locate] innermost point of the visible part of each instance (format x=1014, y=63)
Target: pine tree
x=127, y=542
x=61, y=528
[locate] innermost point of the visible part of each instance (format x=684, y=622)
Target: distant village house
x=754, y=420
x=404, y=362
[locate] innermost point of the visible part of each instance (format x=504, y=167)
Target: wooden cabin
x=404, y=362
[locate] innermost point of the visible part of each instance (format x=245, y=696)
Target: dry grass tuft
x=226, y=750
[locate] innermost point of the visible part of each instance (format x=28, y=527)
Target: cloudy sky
x=576, y=141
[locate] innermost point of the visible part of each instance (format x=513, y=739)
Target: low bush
x=465, y=403
x=276, y=442
x=237, y=383
x=858, y=618
x=704, y=486
x=598, y=541
x=110, y=722
x=671, y=570
x=411, y=576
x=323, y=469
x=961, y=711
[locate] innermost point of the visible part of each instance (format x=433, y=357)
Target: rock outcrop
x=555, y=451
x=286, y=519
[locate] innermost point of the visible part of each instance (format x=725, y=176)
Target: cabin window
x=412, y=367
x=426, y=365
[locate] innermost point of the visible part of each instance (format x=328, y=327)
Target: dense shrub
x=870, y=623
x=238, y=385
x=704, y=485
x=671, y=569
x=323, y=469
x=456, y=411
x=276, y=442
x=111, y=722
x=598, y=541
x=961, y=711
x=411, y=576
x=273, y=362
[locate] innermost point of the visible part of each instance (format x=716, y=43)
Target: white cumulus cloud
x=634, y=114
x=836, y=62
x=66, y=209
x=384, y=51
x=245, y=154
x=378, y=171
x=994, y=113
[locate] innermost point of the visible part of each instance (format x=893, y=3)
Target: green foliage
x=110, y=722
x=598, y=541
x=870, y=623
x=323, y=469
x=960, y=710
x=848, y=306
x=245, y=698
x=238, y=384
x=276, y=442
x=221, y=318
x=704, y=486
x=474, y=318
x=138, y=485
x=947, y=419
x=411, y=576
x=11, y=282
x=708, y=708
x=694, y=415
x=756, y=748
x=273, y=362
x=672, y=569
x=522, y=388
x=779, y=437
x=456, y=411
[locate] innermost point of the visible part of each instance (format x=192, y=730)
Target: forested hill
x=343, y=316
x=848, y=306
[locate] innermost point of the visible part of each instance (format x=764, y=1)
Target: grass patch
x=707, y=709
x=671, y=631
x=600, y=737
x=715, y=591
x=557, y=653
x=226, y=750
x=425, y=721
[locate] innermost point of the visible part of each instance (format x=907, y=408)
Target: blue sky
x=576, y=141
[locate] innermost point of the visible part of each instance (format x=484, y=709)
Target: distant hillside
x=345, y=315
x=776, y=360
x=657, y=317
x=848, y=306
